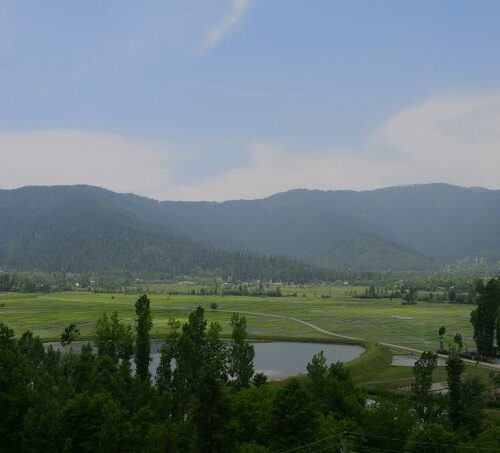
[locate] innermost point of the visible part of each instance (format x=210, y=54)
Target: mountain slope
x=398, y=228
x=395, y=228
x=83, y=229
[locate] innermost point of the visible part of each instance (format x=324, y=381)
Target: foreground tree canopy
x=206, y=397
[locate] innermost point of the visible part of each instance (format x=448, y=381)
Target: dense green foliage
x=114, y=339
x=423, y=370
x=241, y=354
x=484, y=317
x=142, y=342
x=92, y=401
x=455, y=367
x=41, y=282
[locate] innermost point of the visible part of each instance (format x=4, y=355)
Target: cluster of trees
x=375, y=292
x=206, y=397
x=411, y=292
x=236, y=268
x=485, y=318
x=37, y=282
x=243, y=289
x=458, y=288
x=464, y=402
x=96, y=400
x=46, y=282
x=452, y=295
x=455, y=296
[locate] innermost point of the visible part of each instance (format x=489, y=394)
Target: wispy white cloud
x=228, y=23
x=275, y=168
x=452, y=139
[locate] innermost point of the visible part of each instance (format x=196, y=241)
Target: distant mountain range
x=84, y=228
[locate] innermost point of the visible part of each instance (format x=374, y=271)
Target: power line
x=422, y=443
x=325, y=448
x=378, y=436
x=312, y=443
x=365, y=447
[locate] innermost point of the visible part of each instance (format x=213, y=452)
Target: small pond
x=277, y=359
x=410, y=359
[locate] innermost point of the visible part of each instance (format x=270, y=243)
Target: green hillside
x=400, y=228
x=81, y=229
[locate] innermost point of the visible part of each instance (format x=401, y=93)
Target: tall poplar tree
x=484, y=316
x=454, y=368
x=241, y=353
x=421, y=389
x=210, y=408
x=142, y=344
x=189, y=361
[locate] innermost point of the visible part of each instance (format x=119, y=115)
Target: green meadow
x=334, y=309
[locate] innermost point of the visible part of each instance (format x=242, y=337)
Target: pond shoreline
x=276, y=359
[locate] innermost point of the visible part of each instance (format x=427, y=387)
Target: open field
x=330, y=308
x=377, y=320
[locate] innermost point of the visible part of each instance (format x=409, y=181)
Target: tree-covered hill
x=82, y=229
x=399, y=228
x=413, y=227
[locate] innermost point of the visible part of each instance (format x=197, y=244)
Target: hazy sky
x=224, y=99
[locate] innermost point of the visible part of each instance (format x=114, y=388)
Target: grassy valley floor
x=333, y=309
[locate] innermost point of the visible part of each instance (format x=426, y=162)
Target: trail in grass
x=346, y=337
x=387, y=345
x=326, y=332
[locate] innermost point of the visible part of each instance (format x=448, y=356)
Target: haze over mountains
x=84, y=228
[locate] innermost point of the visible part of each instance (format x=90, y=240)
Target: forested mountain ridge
x=398, y=228
x=411, y=227
x=84, y=229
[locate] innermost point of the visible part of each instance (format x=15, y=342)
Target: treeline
x=38, y=282
x=103, y=399
x=411, y=292
x=135, y=283
x=485, y=319
x=46, y=282
x=375, y=292
x=243, y=289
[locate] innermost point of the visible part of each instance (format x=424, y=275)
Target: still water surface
x=280, y=359
x=277, y=359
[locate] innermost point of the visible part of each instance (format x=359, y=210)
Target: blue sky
x=220, y=99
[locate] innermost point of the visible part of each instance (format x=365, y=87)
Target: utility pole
x=343, y=443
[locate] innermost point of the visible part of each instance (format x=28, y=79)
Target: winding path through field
x=346, y=337
x=491, y=366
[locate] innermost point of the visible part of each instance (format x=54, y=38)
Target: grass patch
x=371, y=364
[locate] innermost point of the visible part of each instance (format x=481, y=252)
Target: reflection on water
x=276, y=359
x=280, y=359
